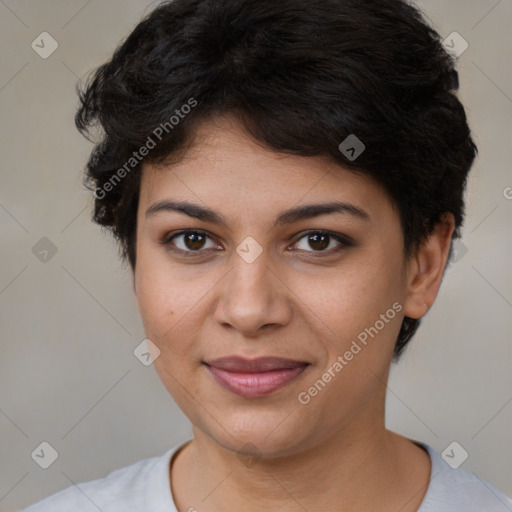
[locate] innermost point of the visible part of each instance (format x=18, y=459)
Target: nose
x=253, y=298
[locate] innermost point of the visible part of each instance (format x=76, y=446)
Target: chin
x=270, y=439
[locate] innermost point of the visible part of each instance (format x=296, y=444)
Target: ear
x=425, y=270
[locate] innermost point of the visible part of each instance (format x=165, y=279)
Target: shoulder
x=122, y=490
x=457, y=490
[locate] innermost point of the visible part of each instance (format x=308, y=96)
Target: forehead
x=227, y=169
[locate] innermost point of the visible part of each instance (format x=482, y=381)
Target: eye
x=188, y=241
x=321, y=241
x=192, y=242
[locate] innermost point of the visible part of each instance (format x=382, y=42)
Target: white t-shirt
x=144, y=487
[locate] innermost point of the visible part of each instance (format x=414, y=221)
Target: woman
x=285, y=180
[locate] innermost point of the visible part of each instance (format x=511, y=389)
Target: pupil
x=319, y=238
x=194, y=240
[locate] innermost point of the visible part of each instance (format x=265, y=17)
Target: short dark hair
x=301, y=76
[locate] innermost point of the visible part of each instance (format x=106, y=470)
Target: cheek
x=160, y=297
x=362, y=303
x=157, y=305
x=170, y=315
x=171, y=306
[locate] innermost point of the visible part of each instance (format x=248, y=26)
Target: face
x=324, y=288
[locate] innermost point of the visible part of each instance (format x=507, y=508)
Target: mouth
x=253, y=378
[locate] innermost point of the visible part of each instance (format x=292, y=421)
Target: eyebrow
x=302, y=212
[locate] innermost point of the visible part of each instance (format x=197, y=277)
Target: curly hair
x=301, y=76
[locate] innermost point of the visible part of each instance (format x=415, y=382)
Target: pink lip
x=256, y=377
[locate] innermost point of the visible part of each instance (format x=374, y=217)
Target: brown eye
x=194, y=240
x=322, y=241
x=188, y=241
x=318, y=241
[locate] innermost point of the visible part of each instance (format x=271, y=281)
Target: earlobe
x=427, y=269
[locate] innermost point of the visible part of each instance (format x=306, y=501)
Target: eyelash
x=343, y=240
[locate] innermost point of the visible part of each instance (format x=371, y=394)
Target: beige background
x=69, y=326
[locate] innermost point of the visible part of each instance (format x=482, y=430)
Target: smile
x=256, y=378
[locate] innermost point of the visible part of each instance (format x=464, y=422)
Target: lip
x=252, y=378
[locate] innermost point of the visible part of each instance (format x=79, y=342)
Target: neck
x=363, y=469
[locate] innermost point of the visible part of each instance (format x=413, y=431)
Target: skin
x=297, y=300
